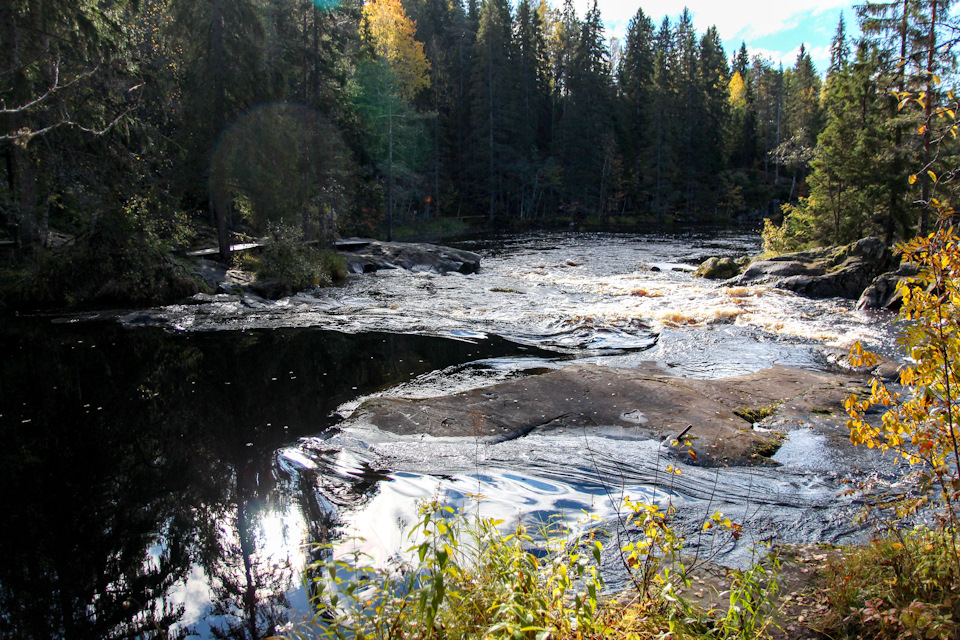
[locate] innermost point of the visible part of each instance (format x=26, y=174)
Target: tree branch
x=23, y=137
x=54, y=88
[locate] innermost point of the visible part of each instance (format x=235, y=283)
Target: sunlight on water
x=581, y=477
x=613, y=300
x=571, y=294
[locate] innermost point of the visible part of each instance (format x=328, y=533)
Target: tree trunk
x=218, y=206
x=23, y=178
x=927, y=121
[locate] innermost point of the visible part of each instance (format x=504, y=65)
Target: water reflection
x=141, y=489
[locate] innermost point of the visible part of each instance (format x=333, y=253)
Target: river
x=169, y=468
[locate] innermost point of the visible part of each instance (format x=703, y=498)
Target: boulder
x=367, y=256
x=718, y=269
x=882, y=292
x=833, y=272
x=645, y=403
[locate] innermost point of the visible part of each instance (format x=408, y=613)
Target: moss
x=757, y=414
x=769, y=448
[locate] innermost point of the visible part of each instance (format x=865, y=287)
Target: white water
x=615, y=300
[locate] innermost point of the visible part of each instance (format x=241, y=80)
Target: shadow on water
x=141, y=486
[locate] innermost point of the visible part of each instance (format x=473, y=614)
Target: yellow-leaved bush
x=920, y=420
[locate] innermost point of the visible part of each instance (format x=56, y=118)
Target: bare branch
x=54, y=88
x=23, y=136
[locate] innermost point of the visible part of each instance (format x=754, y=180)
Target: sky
x=772, y=28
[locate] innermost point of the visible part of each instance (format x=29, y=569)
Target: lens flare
x=326, y=5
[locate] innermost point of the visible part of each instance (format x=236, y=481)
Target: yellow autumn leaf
x=391, y=32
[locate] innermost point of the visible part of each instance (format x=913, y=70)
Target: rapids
x=251, y=392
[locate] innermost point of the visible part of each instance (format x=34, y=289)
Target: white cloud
x=819, y=54
x=781, y=26
x=741, y=20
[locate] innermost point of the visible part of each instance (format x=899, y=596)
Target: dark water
x=174, y=478
x=133, y=460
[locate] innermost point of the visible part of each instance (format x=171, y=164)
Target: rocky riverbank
x=865, y=271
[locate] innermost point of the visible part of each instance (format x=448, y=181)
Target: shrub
x=294, y=266
x=120, y=260
x=466, y=579
x=920, y=422
x=904, y=584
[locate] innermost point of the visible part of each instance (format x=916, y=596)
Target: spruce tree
x=493, y=103
x=712, y=80
x=636, y=119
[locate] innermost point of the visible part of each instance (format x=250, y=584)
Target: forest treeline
x=130, y=119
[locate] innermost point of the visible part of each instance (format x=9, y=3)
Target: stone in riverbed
x=718, y=269
x=882, y=292
x=645, y=404
x=366, y=256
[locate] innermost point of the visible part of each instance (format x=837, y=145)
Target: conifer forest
x=135, y=121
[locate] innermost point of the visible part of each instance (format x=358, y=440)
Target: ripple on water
x=591, y=296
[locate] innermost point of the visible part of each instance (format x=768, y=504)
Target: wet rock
x=833, y=272
x=882, y=292
x=367, y=256
x=718, y=269
x=646, y=405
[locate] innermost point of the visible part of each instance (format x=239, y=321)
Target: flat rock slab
x=645, y=404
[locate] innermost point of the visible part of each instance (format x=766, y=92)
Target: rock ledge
x=646, y=403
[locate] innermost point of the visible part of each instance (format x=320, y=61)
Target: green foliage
x=793, y=233
x=750, y=607
x=121, y=260
x=463, y=579
x=920, y=424
x=914, y=595
x=283, y=164
x=293, y=266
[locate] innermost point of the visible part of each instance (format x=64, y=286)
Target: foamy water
x=614, y=300
x=575, y=294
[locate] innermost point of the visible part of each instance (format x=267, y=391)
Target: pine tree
x=850, y=180
x=587, y=128
x=664, y=124
x=531, y=142
x=839, y=49
x=57, y=59
x=222, y=44
x=742, y=142
x=802, y=119
x=889, y=24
